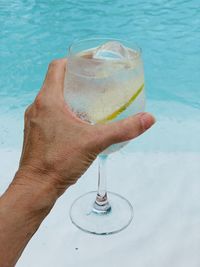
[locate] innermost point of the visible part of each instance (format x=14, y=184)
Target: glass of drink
x=104, y=83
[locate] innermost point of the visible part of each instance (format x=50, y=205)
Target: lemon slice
x=123, y=107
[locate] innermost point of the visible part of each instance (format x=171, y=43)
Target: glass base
x=84, y=216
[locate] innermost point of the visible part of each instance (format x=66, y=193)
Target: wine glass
x=104, y=82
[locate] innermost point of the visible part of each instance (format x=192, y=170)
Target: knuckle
x=134, y=130
x=138, y=127
x=127, y=133
x=40, y=102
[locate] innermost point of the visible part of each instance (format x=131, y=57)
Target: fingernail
x=147, y=120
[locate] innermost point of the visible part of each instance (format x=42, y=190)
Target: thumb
x=124, y=130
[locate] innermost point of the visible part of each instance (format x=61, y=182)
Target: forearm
x=22, y=209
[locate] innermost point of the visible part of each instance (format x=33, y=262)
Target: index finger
x=54, y=80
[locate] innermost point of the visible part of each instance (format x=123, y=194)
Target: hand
x=59, y=147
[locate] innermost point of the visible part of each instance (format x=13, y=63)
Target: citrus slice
x=123, y=107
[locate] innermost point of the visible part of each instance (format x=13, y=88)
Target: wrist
x=33, y=190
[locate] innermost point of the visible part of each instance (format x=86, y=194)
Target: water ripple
x=34, y=32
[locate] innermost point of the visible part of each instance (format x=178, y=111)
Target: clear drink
x=101, y=88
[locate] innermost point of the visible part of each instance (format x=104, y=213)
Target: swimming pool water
x=35, y=32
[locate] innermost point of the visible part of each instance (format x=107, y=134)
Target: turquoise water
x=35, y=32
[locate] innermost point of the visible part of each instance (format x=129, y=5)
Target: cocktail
x=104, y=83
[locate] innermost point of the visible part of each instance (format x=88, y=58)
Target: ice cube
x=111, y=50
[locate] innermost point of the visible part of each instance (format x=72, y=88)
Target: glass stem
x=101, y=204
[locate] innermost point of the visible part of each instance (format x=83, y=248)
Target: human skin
x=58, y=148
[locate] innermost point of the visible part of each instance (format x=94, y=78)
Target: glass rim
x=130, y=41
